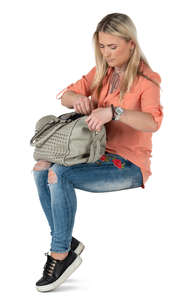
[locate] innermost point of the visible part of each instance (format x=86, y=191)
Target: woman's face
x=115, y=50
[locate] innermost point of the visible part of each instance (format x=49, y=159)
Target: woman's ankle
x=59, y=256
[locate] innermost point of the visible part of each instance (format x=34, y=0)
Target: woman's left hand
x=99, y=117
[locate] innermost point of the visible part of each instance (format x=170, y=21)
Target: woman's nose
x=106, y=53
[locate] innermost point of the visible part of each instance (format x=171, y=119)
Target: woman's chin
x=111, y=63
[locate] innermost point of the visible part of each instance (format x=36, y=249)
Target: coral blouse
x=144, y=95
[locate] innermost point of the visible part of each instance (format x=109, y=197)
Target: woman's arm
x=69, y=98
x=78, y=89
x=138, y=120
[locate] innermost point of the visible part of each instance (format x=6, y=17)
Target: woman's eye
x=110, y=48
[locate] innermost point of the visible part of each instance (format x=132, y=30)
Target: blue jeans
x=58, y=200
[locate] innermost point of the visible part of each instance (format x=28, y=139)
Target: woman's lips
x=110, y=60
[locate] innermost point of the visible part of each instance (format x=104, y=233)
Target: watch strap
x=113, y=112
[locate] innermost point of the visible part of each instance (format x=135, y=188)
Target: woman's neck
x=121, y=69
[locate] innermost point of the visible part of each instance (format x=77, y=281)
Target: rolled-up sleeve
x=150, y=100
x=81, y=86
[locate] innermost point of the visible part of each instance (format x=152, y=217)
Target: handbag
x=67, y=140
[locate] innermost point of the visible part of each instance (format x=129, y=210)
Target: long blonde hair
x=120, y=25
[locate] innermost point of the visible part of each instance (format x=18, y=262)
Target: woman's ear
x=132, y=44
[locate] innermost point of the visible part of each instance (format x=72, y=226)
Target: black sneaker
x=77, y=246
x=57, y=271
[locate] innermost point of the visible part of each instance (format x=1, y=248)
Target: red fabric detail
x=117, y=163
x=103, y=157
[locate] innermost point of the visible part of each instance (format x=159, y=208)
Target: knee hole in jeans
x=42, y=165
x=52, y=177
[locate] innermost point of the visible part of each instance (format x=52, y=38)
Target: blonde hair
x=122, y=26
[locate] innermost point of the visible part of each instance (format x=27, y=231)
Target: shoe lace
x=49, y=266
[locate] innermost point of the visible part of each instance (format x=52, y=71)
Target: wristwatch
x=117, y=112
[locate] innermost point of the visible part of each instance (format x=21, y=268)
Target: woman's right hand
x=84, y=105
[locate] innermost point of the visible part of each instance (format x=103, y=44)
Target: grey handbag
x=67, y=140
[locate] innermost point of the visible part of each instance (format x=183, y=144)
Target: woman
x=122, y=77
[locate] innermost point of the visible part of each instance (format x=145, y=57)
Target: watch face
x=119, y=110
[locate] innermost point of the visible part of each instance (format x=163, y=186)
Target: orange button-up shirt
x=134, y=145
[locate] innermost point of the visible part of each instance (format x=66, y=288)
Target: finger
x=74, y=106
x=98, y=128
x=91, y=106
x=88, y=119
x=80, y=108
x=77, y=108
x=84, y=106
x=92, y=124
x=88, y=106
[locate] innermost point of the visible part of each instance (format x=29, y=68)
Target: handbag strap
x=56, y=124
x=43, y=139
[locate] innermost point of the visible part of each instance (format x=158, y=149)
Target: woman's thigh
x=110, y=173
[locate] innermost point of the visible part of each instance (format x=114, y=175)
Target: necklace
x=115, y=80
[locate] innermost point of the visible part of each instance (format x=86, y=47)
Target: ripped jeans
x=58, y=198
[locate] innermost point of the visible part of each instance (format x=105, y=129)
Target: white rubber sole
x=62, y=278
x=79, y=249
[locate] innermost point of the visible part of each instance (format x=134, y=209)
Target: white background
x=134, y=238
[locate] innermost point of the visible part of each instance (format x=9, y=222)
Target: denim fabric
x=58, y=200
